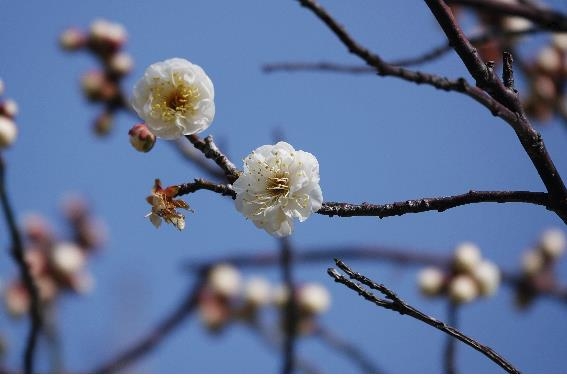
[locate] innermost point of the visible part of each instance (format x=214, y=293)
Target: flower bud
x=257, y=292
x=549, y=59
x=46, y=288
x=103, y=124
x=487, y=276
x=107, y=35
x=313, y=298
x=544, y=87
x=37, y=229
x=225, y=280
x=121, y=64
x=68, y=258
x=72, y=39
x=430, y=281
x=8, y=132
x=141, y=138
x=93, y=83
x=16, y=299
x=559, y=41
x=552, y=243
x=462, y=289
x=280, y=295
x=467, y=256
x=9, y=108
x=516, y=24
x=532, y=262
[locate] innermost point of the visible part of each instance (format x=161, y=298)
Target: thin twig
x=490, y=91
x=211, y=151
x=156, y=335
x=17, y=252
x=289, y=311
x=201, y=184
x=194, y=156
x=547, y=18
x=394, y=303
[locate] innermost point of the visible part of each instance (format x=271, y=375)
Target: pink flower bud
x=9, y=108
x=141, y=138
x=72, y=39
x=121, y=64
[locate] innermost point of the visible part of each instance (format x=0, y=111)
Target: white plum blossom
x=462, y=289
x=313, y=298
x=225, y=280
x=487, y=276
x=553, y=242
x=278, y=184
x=175, y=97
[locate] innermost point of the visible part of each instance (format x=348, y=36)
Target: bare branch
x=394, y=303
x=488, y=81
x=429, y=204
x=201, y=184
x=211, y=151
x=350, y=350
x=17, y=252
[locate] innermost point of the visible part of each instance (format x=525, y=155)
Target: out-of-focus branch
x=450, y=355
x=17, y=252
x=211, y=151
x=401, y=257
x=487, y=80
x=547, y=18
x=428, y=56
x=394, y=303
x=158, y=334
x=350, y=350
x=289, y=311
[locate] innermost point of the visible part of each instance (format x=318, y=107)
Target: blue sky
x=376, y=139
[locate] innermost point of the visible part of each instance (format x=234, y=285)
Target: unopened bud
x=549, y=59
x=313, y=298
x=225, y=280
x=8, y=132
x=141, y=138
x=9, y=108
x=16, y=299
x=121, y=64
x=111, y=36
x=462, y=289
x=103, y=124
x=430, y=281
x=487, y=276
x=257, y=292
x=72, y=39
x=467, y=256
x=559, y=40
x=552, y=243
x=532, y=262
x=516, y=24
x=93, y=83
x=544, y=88
x=68, y=258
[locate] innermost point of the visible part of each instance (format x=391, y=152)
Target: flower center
x=174, y=99
x=278, y=185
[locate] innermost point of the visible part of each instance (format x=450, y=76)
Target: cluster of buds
x=227, y=297
x=502, y=32
x=104, y=40
x=56, y=266
x=8, y=128
x=538, y=266
x=468, y=277
x=547, y=76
